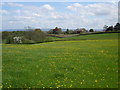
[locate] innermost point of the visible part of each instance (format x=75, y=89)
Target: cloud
x=13, y=4
x=71, y=8
x=48, y=7
x=36, y=15
x=94, y=9
x=74, y=6
x=101, y=9
x=76, y=16
x=4, y=12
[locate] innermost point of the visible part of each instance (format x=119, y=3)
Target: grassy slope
x=81, y=64
x=89, y=37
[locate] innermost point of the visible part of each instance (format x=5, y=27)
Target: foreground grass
x=63, y=64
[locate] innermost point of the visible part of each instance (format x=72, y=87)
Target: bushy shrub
x=91, y=30
x=35, y=35
x=27, y=41
x=23, y=37
x=9, y=40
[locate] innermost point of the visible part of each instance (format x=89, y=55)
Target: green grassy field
x=63, y=64
x=87, y=37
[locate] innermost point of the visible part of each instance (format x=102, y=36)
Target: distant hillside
x=13, y=30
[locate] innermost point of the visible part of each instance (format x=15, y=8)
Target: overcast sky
x=59, y=14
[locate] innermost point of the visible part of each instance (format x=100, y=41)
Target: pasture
x=90, y=63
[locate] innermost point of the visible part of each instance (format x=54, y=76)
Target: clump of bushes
x=23, y=37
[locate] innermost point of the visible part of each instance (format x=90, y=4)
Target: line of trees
x=112, y=28
x=68, y=31
x=83, y=30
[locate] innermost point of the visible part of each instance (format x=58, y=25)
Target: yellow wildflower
x=81, y=83
x=96, y=81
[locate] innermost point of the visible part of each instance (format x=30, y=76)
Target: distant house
x=81, y=30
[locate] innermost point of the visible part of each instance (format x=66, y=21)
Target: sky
x=72, y=15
